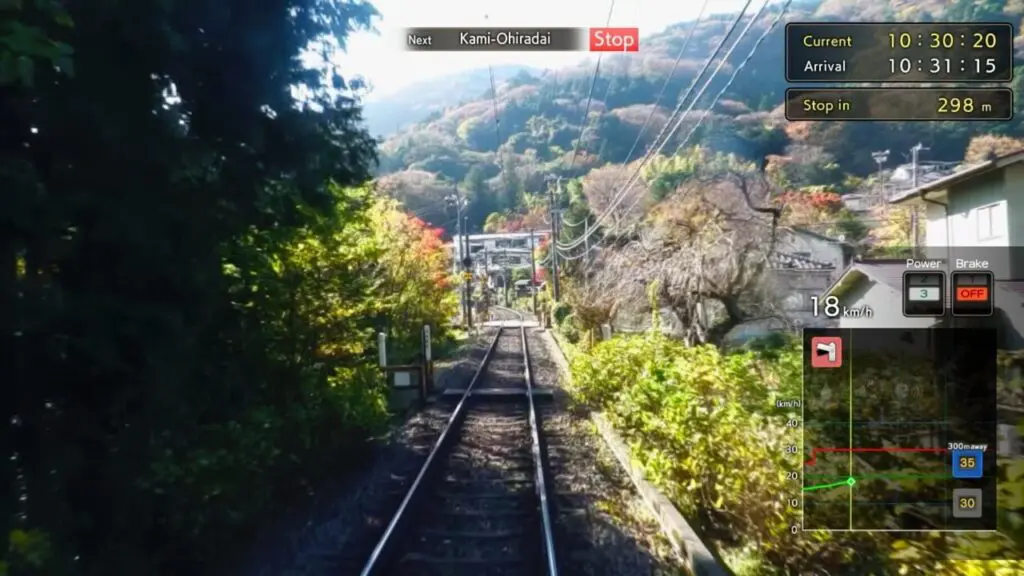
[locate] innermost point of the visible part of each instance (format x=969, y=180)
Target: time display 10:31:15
x=943, y=65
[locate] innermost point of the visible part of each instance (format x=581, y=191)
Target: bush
x=559, y=312
x=569, y=329
x=704, y=426
x=695, y=418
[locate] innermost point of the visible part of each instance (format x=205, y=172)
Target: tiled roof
x=786, y=261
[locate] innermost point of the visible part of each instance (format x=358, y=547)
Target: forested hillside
x=389, y=113
x=539, y=118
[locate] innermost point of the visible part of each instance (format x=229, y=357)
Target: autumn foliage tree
x=414, y=284
x=819, y=210
x=983, y=147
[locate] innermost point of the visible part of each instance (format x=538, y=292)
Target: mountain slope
x=388, y=114
x=540, y=115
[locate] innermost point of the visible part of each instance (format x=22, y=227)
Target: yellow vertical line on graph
x=850, y=428
x=803, y=430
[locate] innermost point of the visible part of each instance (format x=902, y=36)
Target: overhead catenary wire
x=735, y=73
x=562, y=253
x=721, y=92
x=661, y=95
x=590, y=96
x=497, y=126
x=669, y=129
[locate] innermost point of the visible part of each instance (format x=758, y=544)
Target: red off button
x=972, y=294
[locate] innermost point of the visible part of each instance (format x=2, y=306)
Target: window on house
x=988, y=223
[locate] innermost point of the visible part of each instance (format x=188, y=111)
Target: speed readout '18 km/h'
x=899, y=104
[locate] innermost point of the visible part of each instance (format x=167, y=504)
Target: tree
x=413, y=286
x=893, y=235
x=495, y=223
x=482, y=200
x=421, y=192
x=987, y=146
x=820, y=210
x=706, y=247
x=168, y=201
x=602, y=186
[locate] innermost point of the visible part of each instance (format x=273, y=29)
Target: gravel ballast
x=335, y=535
x=602, y=525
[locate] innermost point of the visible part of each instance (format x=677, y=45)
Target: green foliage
x=560, y=311
x=191, y=284
x=569, y=329
x=704, y=426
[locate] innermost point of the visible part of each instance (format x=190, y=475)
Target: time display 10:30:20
x=945, y=40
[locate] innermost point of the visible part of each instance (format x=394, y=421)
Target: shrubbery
x=704, y=426
x=289, y=397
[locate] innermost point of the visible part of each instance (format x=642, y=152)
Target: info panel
x=899, y=429
x=899, y=52
x=899, y=104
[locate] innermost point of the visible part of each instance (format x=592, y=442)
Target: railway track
x=479, y=505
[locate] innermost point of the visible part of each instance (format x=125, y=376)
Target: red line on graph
x=816, y=451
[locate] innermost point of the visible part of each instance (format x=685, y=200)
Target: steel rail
x=387, y=539
x=538, y=461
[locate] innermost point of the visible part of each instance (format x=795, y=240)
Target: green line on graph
x=848, y=482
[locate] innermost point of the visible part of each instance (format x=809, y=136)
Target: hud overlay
x=899, y=430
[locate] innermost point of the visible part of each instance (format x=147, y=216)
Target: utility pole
x=469, y=277
x=533, y=274
x=881, y=158
x=459, y=238
x=505, y=274
x=552, y=196
x=914, y=158
x=462, y=243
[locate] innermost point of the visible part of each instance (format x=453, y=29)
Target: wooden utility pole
x=555, y=213
x=533, y=274
x=469, y=276
x=914, y=158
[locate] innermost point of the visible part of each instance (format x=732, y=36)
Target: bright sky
x=381, y=60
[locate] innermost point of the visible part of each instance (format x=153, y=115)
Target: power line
x=661, y=94
x=753, y=50
x=668, y=80
x=590, y=96
x=497, y=127
x=735, y=73
x=656, y=149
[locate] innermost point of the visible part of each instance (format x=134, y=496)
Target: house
x=974, y=220
x=803, y=264
x=971, y=216
x=496, y=254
